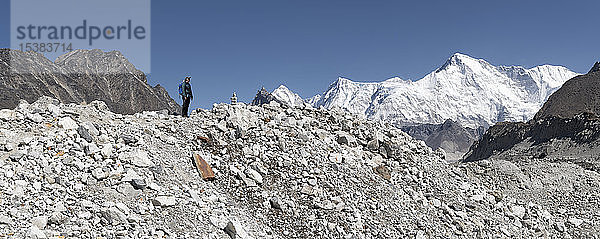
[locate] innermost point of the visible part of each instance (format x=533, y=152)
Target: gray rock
x=138, y=184
x=36, y=233
x=67, y=123
x=436, y=203
x=5, y=220
x=99, y=174
x=16, y=156
x=128, y=191
x=164, y=201
x=91, y=148
x=129, y=139
x=36, y=118
x=335, y=188
x=518, y=211
x=54, y=110
x=373, y=145
x=108, y=77
x=85, y=215
x=107, y=150
x=8, y=147
x=575, y=221
x=241, y=175
x=154, y=186
x=346, y=139
x=218, y=222
x=114, y=216
x=121, y=206
x=235, y=230
x=138, y=158
x=230, y=230
x=130, y=175
x=40, y=222
x=100, y=105
x=308, y=190
x=58, y=218
x=559, y=226
x=8, y=115
x=88, y=131
x=254, y=175
x=275, y=203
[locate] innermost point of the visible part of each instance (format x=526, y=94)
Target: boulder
x=68, y=123
x=164, y=201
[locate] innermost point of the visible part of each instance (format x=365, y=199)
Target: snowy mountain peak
x=395, y=80
x=286, y=96
x=282, y=88
x=468, y=90
x=463, y=62
x=342, y=81
x=460, y=56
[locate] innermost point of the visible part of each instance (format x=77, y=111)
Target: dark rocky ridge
x=263, y=96
x=575, y=139
x=578, y=95
x=80, y=76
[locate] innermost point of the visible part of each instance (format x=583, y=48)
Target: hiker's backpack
x=181, y=89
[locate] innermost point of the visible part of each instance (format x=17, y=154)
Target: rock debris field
x=81, y=171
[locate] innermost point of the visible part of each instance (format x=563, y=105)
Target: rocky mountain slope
x=576, y=96
x=467, y=90
x=78, y=77
x=83, y=171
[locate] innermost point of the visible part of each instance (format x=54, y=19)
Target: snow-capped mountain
x=467, y=90
x=286, y=96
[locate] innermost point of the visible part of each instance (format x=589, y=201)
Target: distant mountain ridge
x=449, y=108
x=77, y=77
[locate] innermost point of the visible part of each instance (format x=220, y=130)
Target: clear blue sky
x=242, y=45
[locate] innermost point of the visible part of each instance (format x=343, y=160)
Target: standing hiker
x=185, y=90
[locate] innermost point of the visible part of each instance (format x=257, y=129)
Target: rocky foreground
x=81, y=171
